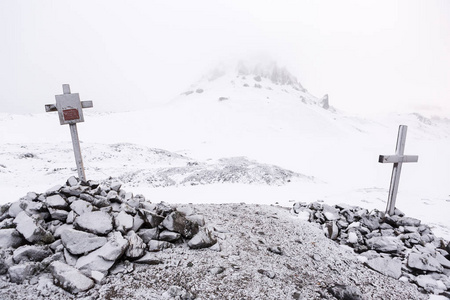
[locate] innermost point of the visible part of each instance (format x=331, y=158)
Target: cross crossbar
x=398, y=158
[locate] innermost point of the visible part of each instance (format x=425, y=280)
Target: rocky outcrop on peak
x=397, y=246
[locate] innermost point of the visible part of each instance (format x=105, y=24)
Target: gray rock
x=80, y=207
x=197, y=219
x=72, y=181
x=70, y=259
x=424, y=262
x=136, y=246
x=31, y=253
x=69, y=278
x=7, y=223
x=154, y=245
x=58, y=214
x=101, y=201
x=123, y=267
x=177, y=222
x=10, y=237
x=151, y=218
x=103, y=259
x=31, y=231
x=3, y=266
x=87, y=198
x=115, y=186
x=149, y=259
x=330, y=212
x=123, y=222
x=203, y=239
x=148, y=234
x=14, y=209
x=331, y=230
x=269, y=274
x=169, y=236
x=56, y=201
x=113, y=196
x=407, y=221
x=176, y=292
x=430, y=284
x=371, y=222
x=386, y=266
x=80, y=242
x=22, y=272
x=97, y=222
x=384, y=244
x=138, y=221
x=443, y=261
x=345, y=292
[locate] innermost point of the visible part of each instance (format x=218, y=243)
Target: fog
x=371, y=56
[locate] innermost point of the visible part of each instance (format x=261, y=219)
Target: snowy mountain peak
x=268, y=69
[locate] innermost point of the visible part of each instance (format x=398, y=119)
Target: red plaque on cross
x=71, y=114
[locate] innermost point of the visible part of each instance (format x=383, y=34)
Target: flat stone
x=103, y=259
x=148, y=234
x=443, y=261
x=149, y=259
x=31, y=231
x=10, y=237
x=80, y=242
x=97, y=222
x=203, y=239
x=430, y=284
x=177, y=222
x=424, y=261
x=386, y=266
x=407, y=221
x=58, y=214
x=384, y=244
x=123, y=222
x=31, y=253
x=80, y=207
x=69, y=278
x=169, y=236
x=56, y=201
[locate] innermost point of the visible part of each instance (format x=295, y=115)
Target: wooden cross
x=70, y=111
x=398, y=159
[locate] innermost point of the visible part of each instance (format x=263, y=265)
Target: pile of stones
x=396, y=246
x=83, y=231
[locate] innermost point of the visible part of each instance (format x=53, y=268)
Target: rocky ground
x=222, y=251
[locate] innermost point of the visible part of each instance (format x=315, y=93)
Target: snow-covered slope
x=256, y=111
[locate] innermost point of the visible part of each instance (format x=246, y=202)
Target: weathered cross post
x=70, y=111
x=398, y=159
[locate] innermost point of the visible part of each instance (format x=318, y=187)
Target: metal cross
x=398, y=159
x=70, y=111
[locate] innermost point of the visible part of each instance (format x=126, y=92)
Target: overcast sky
x=368, y=56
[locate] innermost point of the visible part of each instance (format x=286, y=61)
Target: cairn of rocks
x=396, y=246
x=82, y=231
